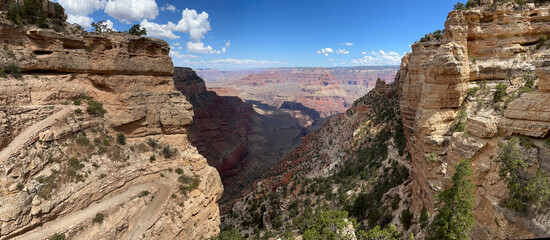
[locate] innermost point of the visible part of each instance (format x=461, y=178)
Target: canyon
x=328, y=91
x=472, y=91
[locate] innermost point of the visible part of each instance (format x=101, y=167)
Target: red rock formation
x=326, y=90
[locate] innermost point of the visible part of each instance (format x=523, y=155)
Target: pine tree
x=455, y=217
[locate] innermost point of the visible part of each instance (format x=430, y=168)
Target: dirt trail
x=145, y=220
x=28, y=133
x=73, y=219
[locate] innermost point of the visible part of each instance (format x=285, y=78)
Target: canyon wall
x=450, y=112
x=97, y=116
x=240, y=139
x=326, y=90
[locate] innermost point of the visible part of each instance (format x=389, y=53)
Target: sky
x=240, y=34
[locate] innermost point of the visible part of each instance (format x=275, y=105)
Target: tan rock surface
x=131, y=77
x=484, y=45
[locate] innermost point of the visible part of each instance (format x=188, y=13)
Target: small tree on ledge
x=137, y=30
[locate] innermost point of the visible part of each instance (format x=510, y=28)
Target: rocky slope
x=240, y=139
x=465, y=94
x=333, y=169
x=121, y=87
x=326, y=90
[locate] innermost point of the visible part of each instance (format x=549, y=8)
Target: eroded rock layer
x=450, y=111
x=240, y=139
x=326, y=90
x=92, y=117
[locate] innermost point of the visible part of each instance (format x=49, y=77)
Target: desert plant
x=500, y=92
x=406, y=218
x=455, y=216
x=121, y=138
x=99, y=217
x=137, y=30
x=57, y=236
x=95, y=108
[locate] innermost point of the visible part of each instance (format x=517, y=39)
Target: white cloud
x=198, y=47
x=176, y=44
x=378, y=58
x=364, y=53
x=78, y=10
x=349, y=44
x=224, y=50
x=169, y=7
x=195, y=24
x=177, y=54
x=342, y=51
x=159, y=30
x=132, y=10
x=85, y=22
x=231, y=61
x=228, y=44
x=81, y=7
x=109, y=25
x=325, y=51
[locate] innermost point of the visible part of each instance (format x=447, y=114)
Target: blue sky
x=229, y=34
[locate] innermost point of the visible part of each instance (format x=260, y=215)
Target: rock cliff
x=93, y=119
x=467, y=91
x=240, y=139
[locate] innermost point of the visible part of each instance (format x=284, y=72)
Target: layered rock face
x=71, y=158
x=326, y=90
x=240, y=139
x=458, y=75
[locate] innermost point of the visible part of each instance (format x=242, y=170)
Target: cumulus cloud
x=169, y=7
x=82, y=7
x=191, y=22
x=325, y=51
x=78, y=10
x=195, y=24
x=349, y=44
x=198, y=47
x=84, y=21
x=159, y=30
x=132, y=10
x=378, y=58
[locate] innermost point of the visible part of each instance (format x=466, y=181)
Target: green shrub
x=460, y=121
x=406, y=218
x=95, y=108
x=424, y=217
x=83, y=140
x=137, y=30
x=121, y=138
x=13, y=70
x=500, y=92
x=144, y=193
x=459, y=6
x=168, y=152
x=57, y=236
x=3, y=73
x=542, y=41
x=179, y=170
x=378, y=233
x=152, y=158
x=455, y=216
x=153, y=143
x=78, y=111
x=77, y=102
x=98, y=218
x=472, y=91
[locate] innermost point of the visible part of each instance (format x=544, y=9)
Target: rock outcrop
x=122, y=87
x=452, y=79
